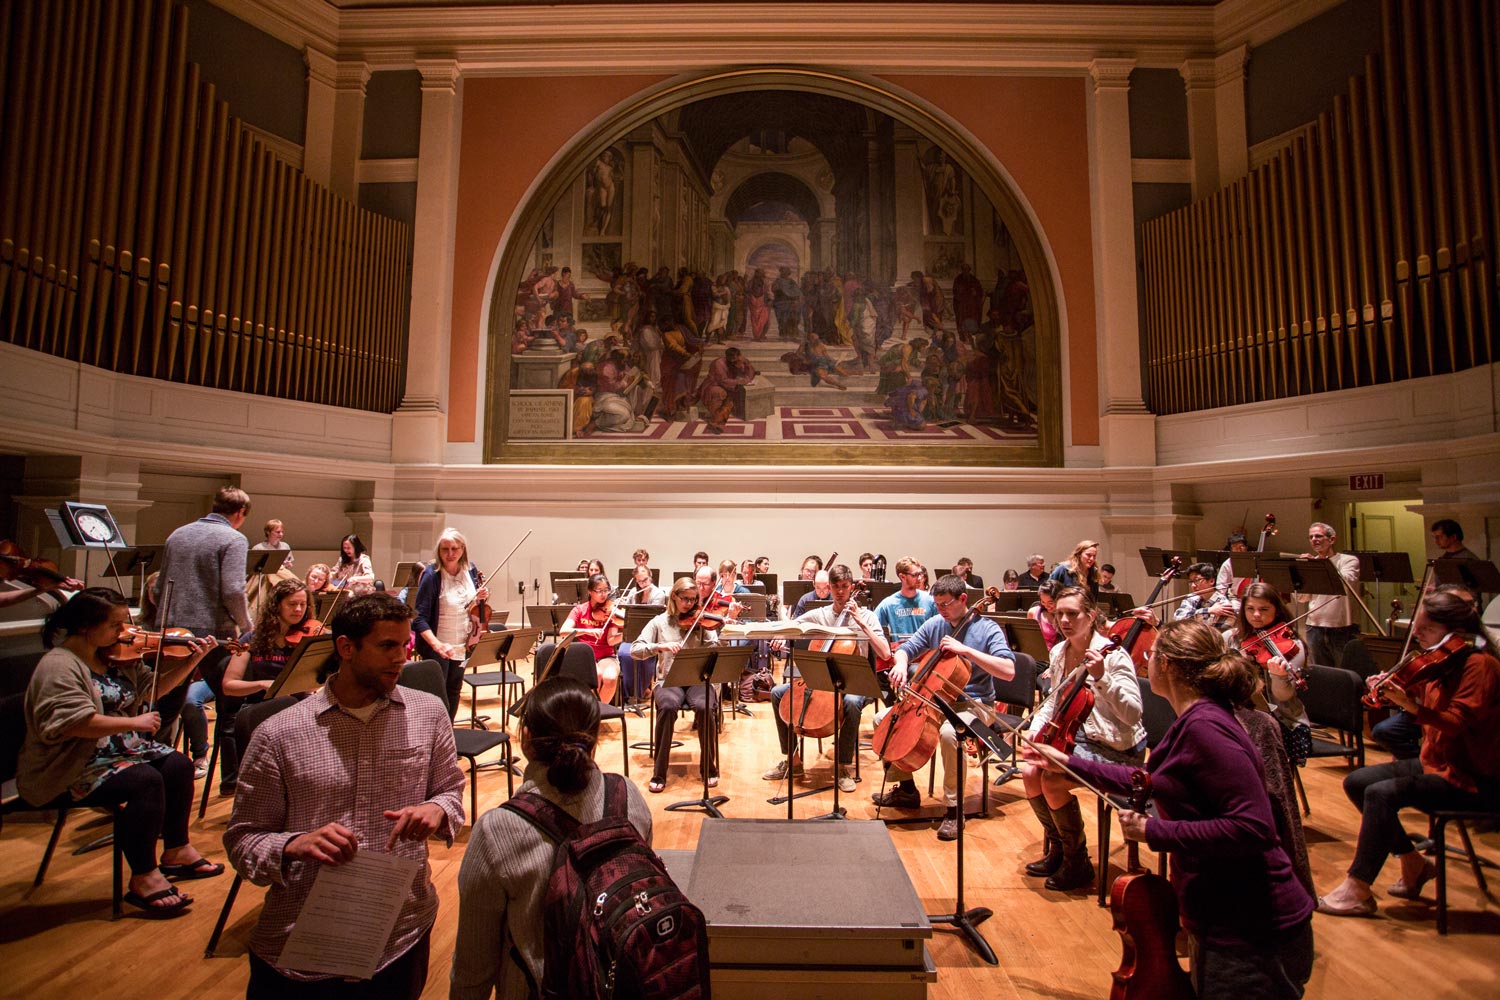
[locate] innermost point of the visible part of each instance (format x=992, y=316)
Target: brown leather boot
x=1052, y=858
x=1077, y=869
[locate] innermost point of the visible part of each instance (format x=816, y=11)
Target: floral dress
x=121, y=750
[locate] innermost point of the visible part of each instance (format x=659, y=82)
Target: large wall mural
x=770, y=275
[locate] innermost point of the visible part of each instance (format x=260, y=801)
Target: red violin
x=1277, y=641
x=297, y=633
x=1416, y=669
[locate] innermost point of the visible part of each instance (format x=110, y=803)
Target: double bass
x=907, y=736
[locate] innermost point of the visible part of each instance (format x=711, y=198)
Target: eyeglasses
x=945, y=605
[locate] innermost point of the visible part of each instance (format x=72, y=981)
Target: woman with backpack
x=502, y=885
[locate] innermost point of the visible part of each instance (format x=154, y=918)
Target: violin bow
x=1106, y=796
x=512, y=552
x=166, y=606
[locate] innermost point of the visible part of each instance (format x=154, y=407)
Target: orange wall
x=1035, y=126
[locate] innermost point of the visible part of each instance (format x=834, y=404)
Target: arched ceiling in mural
x=770, y=189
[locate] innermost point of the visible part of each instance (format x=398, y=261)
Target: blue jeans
x=194, y=722
x=635, y=674
x=1399, y=733
x=854, y=704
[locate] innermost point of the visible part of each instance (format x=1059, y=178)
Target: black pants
x=669, y=701
x=1379, y=792
x=157, y=796
x=453, y=680
x=1326, y=644
x=1275, y=971
x=403, y=979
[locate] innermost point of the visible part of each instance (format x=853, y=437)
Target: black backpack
x=614, y=924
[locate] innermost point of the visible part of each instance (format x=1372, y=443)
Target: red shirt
x=1460, y=717
x=579, y=617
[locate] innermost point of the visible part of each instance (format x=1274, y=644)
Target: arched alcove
x=925, y=236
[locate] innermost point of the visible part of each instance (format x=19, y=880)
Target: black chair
x=12, y=735
x=1157, y=715
x=1020, y=692
x=1438, y=831
x=427, y=675
x=504, y=678
x=585, y=671
x=1332, y=701
x=245, y=722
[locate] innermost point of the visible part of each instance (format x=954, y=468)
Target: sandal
x=713, y=781
x=656, y=785
x=153, y=912
x=202, y=868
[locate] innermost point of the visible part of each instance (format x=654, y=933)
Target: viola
x=1133, y=634
x=907, y=736
x=297, y=633
x=1071, y=709
x=43, y=574
x=136, y=643
x=1418, y=668
x=1267, y=644
x=815, y=709
x=1144, y=907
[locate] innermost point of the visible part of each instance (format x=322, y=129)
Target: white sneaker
x=846, y=779
x=200, y=767
x=778, y=773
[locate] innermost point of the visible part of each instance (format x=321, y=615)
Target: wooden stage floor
x=58, y=941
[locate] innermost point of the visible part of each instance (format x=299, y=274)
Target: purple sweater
x=1235, y=885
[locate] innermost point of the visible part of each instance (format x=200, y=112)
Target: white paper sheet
x=349, y=915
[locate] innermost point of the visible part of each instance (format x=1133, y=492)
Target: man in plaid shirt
x=359, y=765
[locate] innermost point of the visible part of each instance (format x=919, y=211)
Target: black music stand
x=548, y=617
x=1384, y=567
x=407, y=576
x=755, y=607
x=135, y=561
x=627, y=577
x=841, y=673
x=967, y=921
x=769, y=579
x=264, y=561
x=301, y=671
x=500, y=648
x=570, y=590
x=1119, y=602
x=707, y=665
x=1479, y=575
x=881, y=589
x=1157, y=560
x=792, y=591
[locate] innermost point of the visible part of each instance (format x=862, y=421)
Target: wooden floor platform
x=58, y=940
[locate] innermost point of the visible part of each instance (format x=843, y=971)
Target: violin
x=1071, y=709
x=135, y=643
x=479, y=614
x=1418, y=668
x=1144, y=907
x=1269, y=643
x=815, y=715
x=42, y=574
x=1133, y=634
x=706, y=621
x=907, y=736
x=297, y=633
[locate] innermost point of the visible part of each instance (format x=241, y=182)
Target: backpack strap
x=545, y=816
x=616, y=800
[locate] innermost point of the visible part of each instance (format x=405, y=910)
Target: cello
x=1144, y=907
x=907, y=736
x=815, y=709
x=1132, y=634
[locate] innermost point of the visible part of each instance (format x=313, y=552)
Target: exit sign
x=1367, y=481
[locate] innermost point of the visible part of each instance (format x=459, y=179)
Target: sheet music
x=349, y=915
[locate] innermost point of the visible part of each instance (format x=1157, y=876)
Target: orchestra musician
x=1330, y=624
x=446, y=591
x=318, y=575
x=636, y=673
x=1261, y=608
x=810, y=567
x=594, y=621
x=1112, y=732
x=1011, y=580
x=821, y=592
x=1206, y=601
x=903, y=612
x=964, y=569
x=1041, y=611
x=1080, y=569
x=353, y=571
x=663, y=637
x=1225, y=580
x=1036, y=572
x=867, y=565
x=1458, y=708
x=843, y=611
x=1247, y=915
x=983, y=645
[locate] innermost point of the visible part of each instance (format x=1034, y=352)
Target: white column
x=1229, y=114
x=420, y=427
x=1127, y=431
x=335, y=120
x=1198, y=77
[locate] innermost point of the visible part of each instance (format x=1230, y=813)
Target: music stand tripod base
x=709, y=666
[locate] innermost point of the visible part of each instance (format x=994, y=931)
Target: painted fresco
x=775, y=266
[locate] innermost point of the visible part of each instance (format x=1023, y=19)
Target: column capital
x=321, y=67
x=1111, y=73
x=352, y=75
x=439, y=74
x=1230, y=66
x=1199, y=74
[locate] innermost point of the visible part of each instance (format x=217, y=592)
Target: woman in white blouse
x=449, y=586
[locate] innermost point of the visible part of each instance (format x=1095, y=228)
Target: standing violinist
x=1247, y=916
x=1261, y=610
x=1456, y=701
x=1330, y=625
x=982, y=645
x=594, y=620
x=249, y=674
x=447, y=591
x=843, y=611
x=1110, y=732
x=664, y=637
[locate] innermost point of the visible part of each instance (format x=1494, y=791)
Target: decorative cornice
x=1111, y=72
x=1255, y=22
x=1229, y=65
x=1199, y=74
x=439, y=73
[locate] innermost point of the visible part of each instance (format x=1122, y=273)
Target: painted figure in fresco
x=600, y=183
x=680, y=359
x=899, y=363
x=943, y=202
x=758, y=306
x=583, y=379
x=865, y=321
x=787, y=303
x=718, y=317
x=907, y=404
x=968, y=301
x=716, y=392
x=622, y=397
x=566, y=294
x=684, y=312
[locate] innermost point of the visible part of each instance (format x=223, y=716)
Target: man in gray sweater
x=205, y=560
